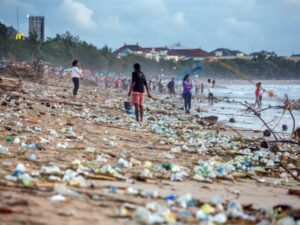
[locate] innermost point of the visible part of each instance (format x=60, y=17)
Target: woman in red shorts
x=136, y=91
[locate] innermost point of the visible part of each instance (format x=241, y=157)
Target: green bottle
x=9, y=139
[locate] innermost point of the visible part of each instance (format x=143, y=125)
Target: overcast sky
x=246, y=25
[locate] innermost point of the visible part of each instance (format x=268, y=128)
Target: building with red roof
x=159, y=53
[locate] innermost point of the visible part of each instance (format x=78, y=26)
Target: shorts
x=258, y=98
x=137, y=98
x=210, y=95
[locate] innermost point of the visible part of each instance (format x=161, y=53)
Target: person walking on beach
x=136, y=91
x=76, y=73
x=187, y=93
x=258, y=95
x=197, y=88
x=211, y=86
x=160, y=87
x=202, y=88
x=171, y=87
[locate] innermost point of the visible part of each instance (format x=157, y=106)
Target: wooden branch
x=289, y=172
x=256, y=113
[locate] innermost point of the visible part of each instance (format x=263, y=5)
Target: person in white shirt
x=76, y=73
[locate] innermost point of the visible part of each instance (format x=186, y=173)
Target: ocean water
x=243, y=92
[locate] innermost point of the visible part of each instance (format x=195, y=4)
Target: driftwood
x=209, y=120
x=289, y=172
x=261, y=119
x=280, y=107
x=285, y=142
x=294, y=192
x=22, y=71
x=10, y=84
x=61, y=102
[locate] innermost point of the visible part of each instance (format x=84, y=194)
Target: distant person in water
x=136, y=91
x=171, y=87
x=76, y=73
x=187, y=93
x=258, y=95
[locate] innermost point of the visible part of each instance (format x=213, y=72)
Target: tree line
x=63, y=48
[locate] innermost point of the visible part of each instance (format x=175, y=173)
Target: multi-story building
x=37, y=27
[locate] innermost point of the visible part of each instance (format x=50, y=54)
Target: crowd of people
x=138, y=84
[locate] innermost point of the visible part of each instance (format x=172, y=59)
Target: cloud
x=78, y=15
x=154, y=8
x=140, y=21
x=112, y=24
x=178, y=19
x=239, y=24
x=293, y=2
x=244, y=27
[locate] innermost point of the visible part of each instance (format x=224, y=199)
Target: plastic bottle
x=113, y=190
x=220, y=171
x=20, y=169
x=3, y=150
x=220, y=218
x=171, y=197
x=180, y=176
x=151, y=194
x=142, y=215
x=185, y=215
x=26, y=180
x=200, y=215
x=183, y=200
x=9, y=139
x=146, y=173
x=132, y=191
x=124, y=163
x=169, y=217
x=32, y=157
x=37, y=129
x=61, y=146
x=57, y=198
x=33, y=147
x=148, y=164
x=17, y=140
x=167, y=166
x=216, y=200
x=50, y=170
x=207, y=208
x=54, y=134
x=29, y=146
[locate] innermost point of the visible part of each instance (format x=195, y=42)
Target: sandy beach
x=94, y=131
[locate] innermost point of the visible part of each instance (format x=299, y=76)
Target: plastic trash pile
x=62, y=147
x=186, y=209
